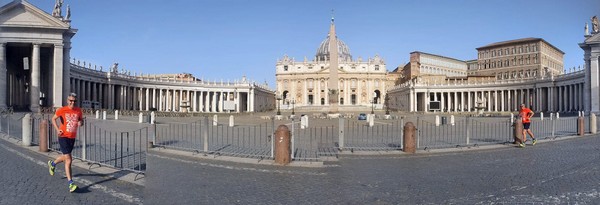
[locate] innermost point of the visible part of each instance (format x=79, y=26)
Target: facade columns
x=58, y=85
x=34, y=87
x=3, y=77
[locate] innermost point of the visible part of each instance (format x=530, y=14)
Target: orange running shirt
x=69, y=119
x=525, y=115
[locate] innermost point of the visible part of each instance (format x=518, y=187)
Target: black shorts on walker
x=66, y=144
x=526, y=125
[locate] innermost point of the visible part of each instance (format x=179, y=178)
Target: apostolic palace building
x=36, y=70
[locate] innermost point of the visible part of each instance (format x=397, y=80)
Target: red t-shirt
x=69, y=119
x=525, y=115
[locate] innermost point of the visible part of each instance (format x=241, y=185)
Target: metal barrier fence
x=202, y=136
x=123, y=144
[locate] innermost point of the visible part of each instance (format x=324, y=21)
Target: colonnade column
x=58, y=82
x=251, y=100
x=34, y=88
x=3, y=73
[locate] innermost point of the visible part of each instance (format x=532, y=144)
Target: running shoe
x=72, y=187
x=51, y=168
x=521, y=144
x=534, y=142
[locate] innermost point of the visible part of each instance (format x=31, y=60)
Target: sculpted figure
x=57, y=6
x=595, y=23
x=68, y=16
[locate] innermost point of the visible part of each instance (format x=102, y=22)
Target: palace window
x=376, y=67
x=285, y=68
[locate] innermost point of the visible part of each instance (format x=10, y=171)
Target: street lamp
x=278, y=100
x=372, y=106
x=293, y=102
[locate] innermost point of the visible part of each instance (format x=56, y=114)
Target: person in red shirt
x=526, y=115
x=71, y=118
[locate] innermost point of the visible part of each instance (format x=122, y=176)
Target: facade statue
x=595, y=23
x=114, y=68
x=57, y=8
x=68, y=16
x=587, y=32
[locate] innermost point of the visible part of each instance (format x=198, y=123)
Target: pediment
x=593, y=39
x=23, y=14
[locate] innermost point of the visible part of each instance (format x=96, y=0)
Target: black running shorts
x=66, y=144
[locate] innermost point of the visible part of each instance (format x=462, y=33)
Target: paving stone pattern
x=552, y=172
x=25, y=180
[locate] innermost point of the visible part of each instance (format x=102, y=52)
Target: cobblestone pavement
x=25, y=180
x=552, y=172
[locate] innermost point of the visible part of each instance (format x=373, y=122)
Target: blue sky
x=227, y=39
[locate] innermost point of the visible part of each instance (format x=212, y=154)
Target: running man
x=70, y=119
x=526, y=115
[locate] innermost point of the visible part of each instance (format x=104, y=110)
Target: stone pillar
x=34, y=87
x=66, y=71
x=58, y=84
x=410, y=145
x=3, y=77
x=282, y=145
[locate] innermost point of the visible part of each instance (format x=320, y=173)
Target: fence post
x=43, y=136
x=593, y=126
x=273, y=138
x=26, y=134
x=84, y=141
x=341, y=133
x=580, y=126
x=282, y=147
x=292, y=138
x=205, y=134
x=467, y=129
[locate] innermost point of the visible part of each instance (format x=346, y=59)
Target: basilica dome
x=343, y=51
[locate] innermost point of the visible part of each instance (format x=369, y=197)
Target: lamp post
x=293, y=102
x=278, y=100
x=372, y=106
x=387, y=105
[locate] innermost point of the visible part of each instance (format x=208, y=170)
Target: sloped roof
x=20, y=13
x=518, y=41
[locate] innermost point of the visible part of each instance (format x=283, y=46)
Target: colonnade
x=118, y=92
x=548, y=96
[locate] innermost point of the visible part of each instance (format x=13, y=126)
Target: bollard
x=557, y=116
x=518, y=131
x=116, y=114
x=512, y=118
x=44, y=136
x=141, y=118
x=410, y=145
x=152, y=117
x=372, y=120
x=452, y=120
x=26, y=135
x=593, y=127
x=104, y=115
x=541, y=116
x=437, y=120
x=215, y=120
x=282, y=145
x=231, y=122
x=97, y=114
x=580, y=126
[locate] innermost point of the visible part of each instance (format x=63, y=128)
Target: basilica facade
x=361, y=83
